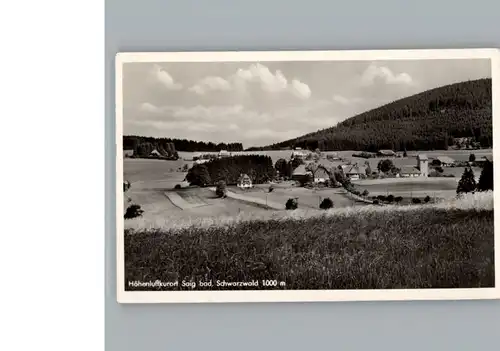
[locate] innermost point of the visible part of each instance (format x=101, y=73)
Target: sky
x=260, y=103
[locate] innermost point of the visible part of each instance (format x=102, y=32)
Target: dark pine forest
x=144, y=145
x=426, y=121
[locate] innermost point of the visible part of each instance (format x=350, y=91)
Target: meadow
x=447, y=245
x=153, y=180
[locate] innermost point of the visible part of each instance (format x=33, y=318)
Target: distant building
x=298, y=154
x=300, y=173
x=355, y=172
x=321, y=175
x=244, y=181
x=386, y=153
x=196, y=156
x=409, y=171
x=128, y=153
x=481, y=161
x=224, y=153
x=155, y=153
x=423, y=164
x=445, y=161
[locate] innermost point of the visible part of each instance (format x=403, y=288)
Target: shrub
x=199, y=175
x=385, y=165
x=440, y=169
x=133, y=211
x=427, y=199
x=177, y=186
x=472, y=158
x=221, y=190
x=375, y=202
x=398, y=199
x=390, y=198
x=416, y=200
x=381, y=198
x=326, y=204
x=291, y=204
x=365, y=193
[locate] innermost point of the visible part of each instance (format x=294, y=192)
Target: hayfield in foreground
x=442, y=246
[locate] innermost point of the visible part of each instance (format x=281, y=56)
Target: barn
x=445, y=161
x=409, y=171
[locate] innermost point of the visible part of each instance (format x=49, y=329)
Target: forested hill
x=425, y=121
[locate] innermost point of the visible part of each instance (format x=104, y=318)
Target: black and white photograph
x=306, y=175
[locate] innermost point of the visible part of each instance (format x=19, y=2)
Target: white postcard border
x=298, y=295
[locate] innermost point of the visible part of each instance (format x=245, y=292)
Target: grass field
x=153, y=181
x=449, y=245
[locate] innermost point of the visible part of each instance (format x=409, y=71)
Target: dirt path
x=254, y=200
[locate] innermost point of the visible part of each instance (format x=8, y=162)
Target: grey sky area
x=262, y=103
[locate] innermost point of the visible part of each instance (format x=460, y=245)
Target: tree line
x=258, y=167
x=430, y=120
x=132, y=142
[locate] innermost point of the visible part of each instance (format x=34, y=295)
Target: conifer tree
x=467, y=183
x=486, y=178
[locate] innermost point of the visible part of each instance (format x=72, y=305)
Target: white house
x=155, y=153
x=355, y=172
x=244, y=181
x=321, y=175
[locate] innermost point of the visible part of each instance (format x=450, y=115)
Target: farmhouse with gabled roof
x=244, y=181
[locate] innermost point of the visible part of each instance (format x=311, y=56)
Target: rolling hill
x=425, y=121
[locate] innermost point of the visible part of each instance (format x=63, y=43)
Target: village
x=320, y=165
x=301, y=179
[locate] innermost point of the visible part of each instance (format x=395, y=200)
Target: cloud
x=175, y=125
x=165, y=78
x=346, y=101
x=149, y=108
x=223, y=114
x=383, y=74
x=300, y=89
x=270, y=82
x=255, y=75
x=210, y=84
x=258, y=73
